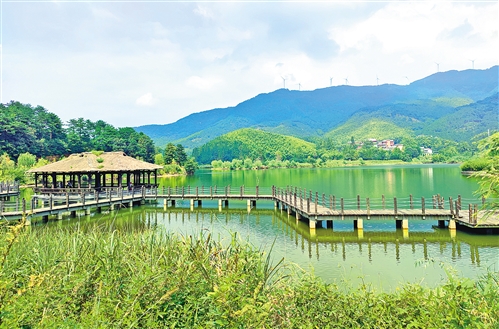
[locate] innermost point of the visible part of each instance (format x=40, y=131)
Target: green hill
x=466, y=121
x=362, y=129
x=254, y=144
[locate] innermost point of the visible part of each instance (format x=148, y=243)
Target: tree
x=159, y=159
x=170, y=153
x=26, y=160
x=180, y=155
x=190, y=166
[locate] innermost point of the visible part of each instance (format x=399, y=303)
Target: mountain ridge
x=309, y=114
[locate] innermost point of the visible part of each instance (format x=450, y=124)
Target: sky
x=133, y=63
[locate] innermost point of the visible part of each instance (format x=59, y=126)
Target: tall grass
x=107, y=278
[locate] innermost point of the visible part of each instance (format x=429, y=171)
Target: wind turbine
x=299, y=86
x=330, y=81
x=284, y=81
x=472, y=64
x=377, y=80
x=438, y=66
x=408, y=82
x=346, y=81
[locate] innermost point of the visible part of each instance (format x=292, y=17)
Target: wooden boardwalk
x=8, y=190
x=318, y=210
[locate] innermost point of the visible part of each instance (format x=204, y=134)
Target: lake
x=380, y=255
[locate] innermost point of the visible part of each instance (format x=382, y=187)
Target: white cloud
x=202, y=83
x=203, y=12
x=146, y=100
x=183, y=57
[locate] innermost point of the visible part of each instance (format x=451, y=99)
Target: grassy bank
x=107, y=278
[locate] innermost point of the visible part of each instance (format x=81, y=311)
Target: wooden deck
x=318, y=210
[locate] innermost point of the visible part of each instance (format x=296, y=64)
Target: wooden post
x=434, y=201
x=457, y=209
x=334, y=202
x=67, y=200
x=383, y=201
x=342, y=206
x=395, y=205
x=358, y=202
x=50, y=201
x=451, y=206
x=24, y=206
x=257, y=191
x=459, y=202
x=368, y=208
x=411, y=201
x=423, y=210
x=470, y=214
x=316, y=201
x=475, y=214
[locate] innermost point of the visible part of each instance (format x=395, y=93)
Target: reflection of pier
x=318, y=210
x=339, y=241
x=460, y=246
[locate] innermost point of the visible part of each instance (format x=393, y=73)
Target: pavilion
x=95, y=170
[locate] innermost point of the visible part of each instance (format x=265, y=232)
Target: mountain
x=314, y=113
x=426, y=117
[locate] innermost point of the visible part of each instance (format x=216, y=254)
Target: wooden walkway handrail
x=307, y=203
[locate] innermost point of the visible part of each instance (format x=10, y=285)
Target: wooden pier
x=8, y=190
x=320, y=211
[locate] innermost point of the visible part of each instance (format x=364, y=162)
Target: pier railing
x=9, y=188
x=304, y=200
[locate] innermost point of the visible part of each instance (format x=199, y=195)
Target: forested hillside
x=310, y=114
x=34, y=130
x=254, y=144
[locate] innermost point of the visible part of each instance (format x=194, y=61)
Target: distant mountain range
x=454, y=105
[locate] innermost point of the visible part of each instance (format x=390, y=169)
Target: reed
x=105, y=277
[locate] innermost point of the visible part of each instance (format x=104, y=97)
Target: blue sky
x=134, y=63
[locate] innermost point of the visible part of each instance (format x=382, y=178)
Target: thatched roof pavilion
x=95, y=170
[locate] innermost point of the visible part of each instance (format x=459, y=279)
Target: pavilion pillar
x=54, y=180
x=149, y=177
x=36, y=180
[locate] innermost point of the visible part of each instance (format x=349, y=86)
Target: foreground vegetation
x=107, y=277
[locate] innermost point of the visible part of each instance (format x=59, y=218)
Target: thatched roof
x=88, y=162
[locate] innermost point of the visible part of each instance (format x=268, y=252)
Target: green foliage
x=476, y=164
x=26, y=160
x=159, y=159
x=254, y=144
x=175, y=154
x=35, y=130
x=190, y=166
x=61, y=277
x=359, y=128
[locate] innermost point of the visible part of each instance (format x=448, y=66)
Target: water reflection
x=380, y=254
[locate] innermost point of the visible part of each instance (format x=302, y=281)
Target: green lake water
x=381, y=255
